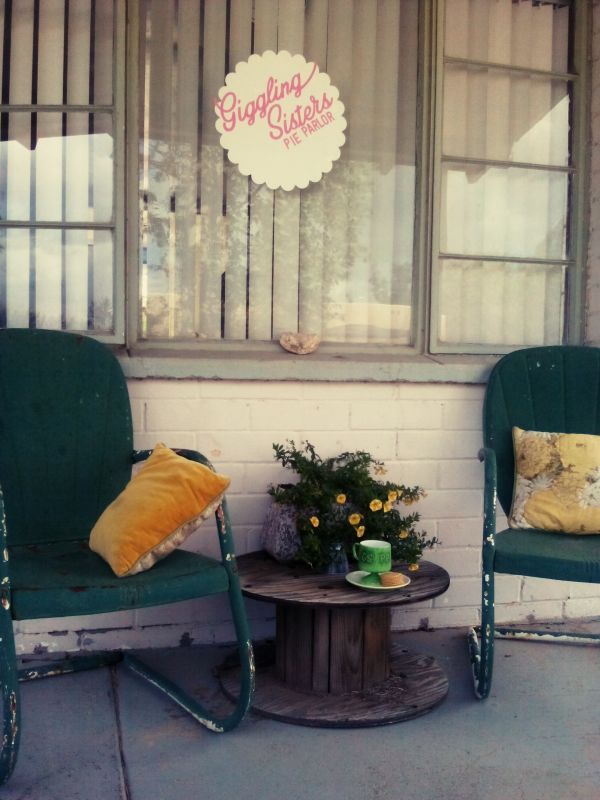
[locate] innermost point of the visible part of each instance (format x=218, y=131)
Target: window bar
x=90, y=249
x=512, y=68
x=236, y=188
x=143, y=188
x=32, y=177
x=6, y=37
x=497, y=162
x=572, y=125
x=197, y=312
x=228, y=68
x=63, y=249
x=5, y=92
x=200, y=89
x=173, y=182
x=248, y=241
x=551, y=262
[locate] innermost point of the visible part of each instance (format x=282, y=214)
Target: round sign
x=280, y=120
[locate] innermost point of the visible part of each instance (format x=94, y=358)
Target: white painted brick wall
x=427, y=434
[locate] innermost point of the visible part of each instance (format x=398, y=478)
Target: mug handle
x=354, y=546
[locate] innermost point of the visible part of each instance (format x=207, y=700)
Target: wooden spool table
x=334, y=663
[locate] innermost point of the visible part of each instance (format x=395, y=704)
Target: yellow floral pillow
x=158, y=509
x=557, y=482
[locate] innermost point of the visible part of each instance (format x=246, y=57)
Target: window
x=57, y=190
x=505, y=173
x=224, y=258
x=452, y=222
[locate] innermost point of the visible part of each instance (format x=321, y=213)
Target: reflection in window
x=56, y=170
x=503, y=106
x=225, y=258
x=57, y=165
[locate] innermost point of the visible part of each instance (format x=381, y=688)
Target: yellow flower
x=360, y=531
x=354, y=519
x=341, y=499
x=392, y=497
x=403, y=534
x=387, y=507
x=413, y=567
x=314, y=521
x=375, y=505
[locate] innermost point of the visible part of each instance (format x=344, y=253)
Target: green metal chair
x=65, y=453
x=554, y=389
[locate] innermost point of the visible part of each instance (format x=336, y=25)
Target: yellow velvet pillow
x=158, y=509
x=557, y=482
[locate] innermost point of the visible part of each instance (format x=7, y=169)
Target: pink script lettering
x=233, y=111
x=282, y=124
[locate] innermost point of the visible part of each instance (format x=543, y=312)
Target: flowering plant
x=342, y=499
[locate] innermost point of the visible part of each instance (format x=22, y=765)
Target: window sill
x=273, y=364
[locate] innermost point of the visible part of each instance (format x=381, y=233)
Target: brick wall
x=427, y=434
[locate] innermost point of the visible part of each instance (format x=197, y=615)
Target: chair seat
x=540, y=554
x=66, y=578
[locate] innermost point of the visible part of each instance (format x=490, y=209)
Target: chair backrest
x=65, y=433
x=553, y=389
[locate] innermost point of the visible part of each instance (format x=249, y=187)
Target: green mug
x=373, y=555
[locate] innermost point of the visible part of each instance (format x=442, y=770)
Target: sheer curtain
x=505, y=173
x=224, y=258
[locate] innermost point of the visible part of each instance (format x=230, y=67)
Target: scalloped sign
x=280, y=120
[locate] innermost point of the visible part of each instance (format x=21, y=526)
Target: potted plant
x=337, y=501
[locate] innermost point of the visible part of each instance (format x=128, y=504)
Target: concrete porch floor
x=107, y=734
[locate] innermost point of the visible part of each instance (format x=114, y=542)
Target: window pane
x=522, y=33
x=57, y=279
x=72, y=45
x=499, y=303
x=503, y=211
x=58, y=167
x=225, y=258
x=495, y=114
x=498, y=115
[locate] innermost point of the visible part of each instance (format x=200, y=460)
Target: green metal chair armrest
x=140, y=455
x=482, y=656
x=4, y=576
x=221, y=514
x=191, y=455
x=226, y=544
x=11, y=721
x=488, y=457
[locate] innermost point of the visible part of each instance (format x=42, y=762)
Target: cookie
x=392, y=579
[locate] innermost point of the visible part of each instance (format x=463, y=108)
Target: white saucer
x=356, y=579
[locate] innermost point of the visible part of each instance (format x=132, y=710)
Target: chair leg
x=546, y=634
x=482, y=654
x=11, y=710
x=184, y=700
x=189, y=704
x=66, y=666
x=192, y=706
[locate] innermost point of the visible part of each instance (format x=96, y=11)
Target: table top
x=263, y=578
